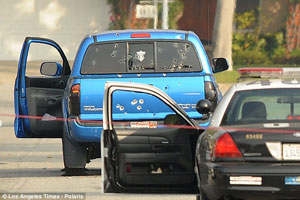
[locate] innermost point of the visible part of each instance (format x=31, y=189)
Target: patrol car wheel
x=75, y=157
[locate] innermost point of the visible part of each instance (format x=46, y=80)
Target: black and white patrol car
x=251, y=150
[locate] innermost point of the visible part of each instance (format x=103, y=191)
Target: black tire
x=75, y=157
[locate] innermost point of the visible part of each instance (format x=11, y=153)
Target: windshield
x=140, y=57
x=263, y=106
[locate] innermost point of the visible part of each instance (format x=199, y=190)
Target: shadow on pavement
x=81, y=172
x=42, y=172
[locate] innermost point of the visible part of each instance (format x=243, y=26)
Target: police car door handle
x=158, y=147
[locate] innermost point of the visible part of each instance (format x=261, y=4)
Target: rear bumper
x=273, y=185
x=82, y=133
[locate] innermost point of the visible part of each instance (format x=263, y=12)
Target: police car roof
x=267, y=84
x=268, y=78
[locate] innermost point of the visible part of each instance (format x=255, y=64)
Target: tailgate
x=186, y=91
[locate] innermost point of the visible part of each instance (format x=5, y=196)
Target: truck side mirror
x=51, y=69
x=204, y=107
x=219, y=65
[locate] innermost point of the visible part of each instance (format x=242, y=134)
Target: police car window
x=263, y=106
x=140, y=57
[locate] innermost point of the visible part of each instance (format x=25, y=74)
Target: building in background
x=66, y=22
x=198, y=16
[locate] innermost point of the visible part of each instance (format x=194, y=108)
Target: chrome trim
x=275, y=149
x=297, y=134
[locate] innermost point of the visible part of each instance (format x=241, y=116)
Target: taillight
x=140, y=35
x=210, y=93
x=75, y=89
x=74, y=100
x=293, y=117
x=226, y=148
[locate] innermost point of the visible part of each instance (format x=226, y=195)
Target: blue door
x=38, y=93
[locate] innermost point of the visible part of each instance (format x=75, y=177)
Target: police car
x=251, y=150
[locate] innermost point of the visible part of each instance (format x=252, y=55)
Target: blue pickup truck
x=68, y=104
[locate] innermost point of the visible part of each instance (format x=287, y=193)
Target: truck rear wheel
x=75, y=157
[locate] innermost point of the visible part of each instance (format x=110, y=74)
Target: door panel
x=46, y=104
x=148, y=156
x=44, y=97
x=38, y=97
x=165, y=161
x=47, y=82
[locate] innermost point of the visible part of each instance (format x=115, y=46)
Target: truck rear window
x=137, y=57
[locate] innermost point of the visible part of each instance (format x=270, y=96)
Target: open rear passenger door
x=146, y=155
x=39, y=88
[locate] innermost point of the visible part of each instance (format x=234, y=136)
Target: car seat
x=254, y=110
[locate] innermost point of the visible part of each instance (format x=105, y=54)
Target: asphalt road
x=33, y=166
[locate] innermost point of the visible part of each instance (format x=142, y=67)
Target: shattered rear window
x=140, y=57
x=105, y=58
x=176, y=56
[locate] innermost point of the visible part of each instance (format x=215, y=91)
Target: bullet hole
x=133, y=102
x=113, y=54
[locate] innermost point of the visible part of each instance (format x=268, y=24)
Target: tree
x=293, y=26
x=223, y=29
